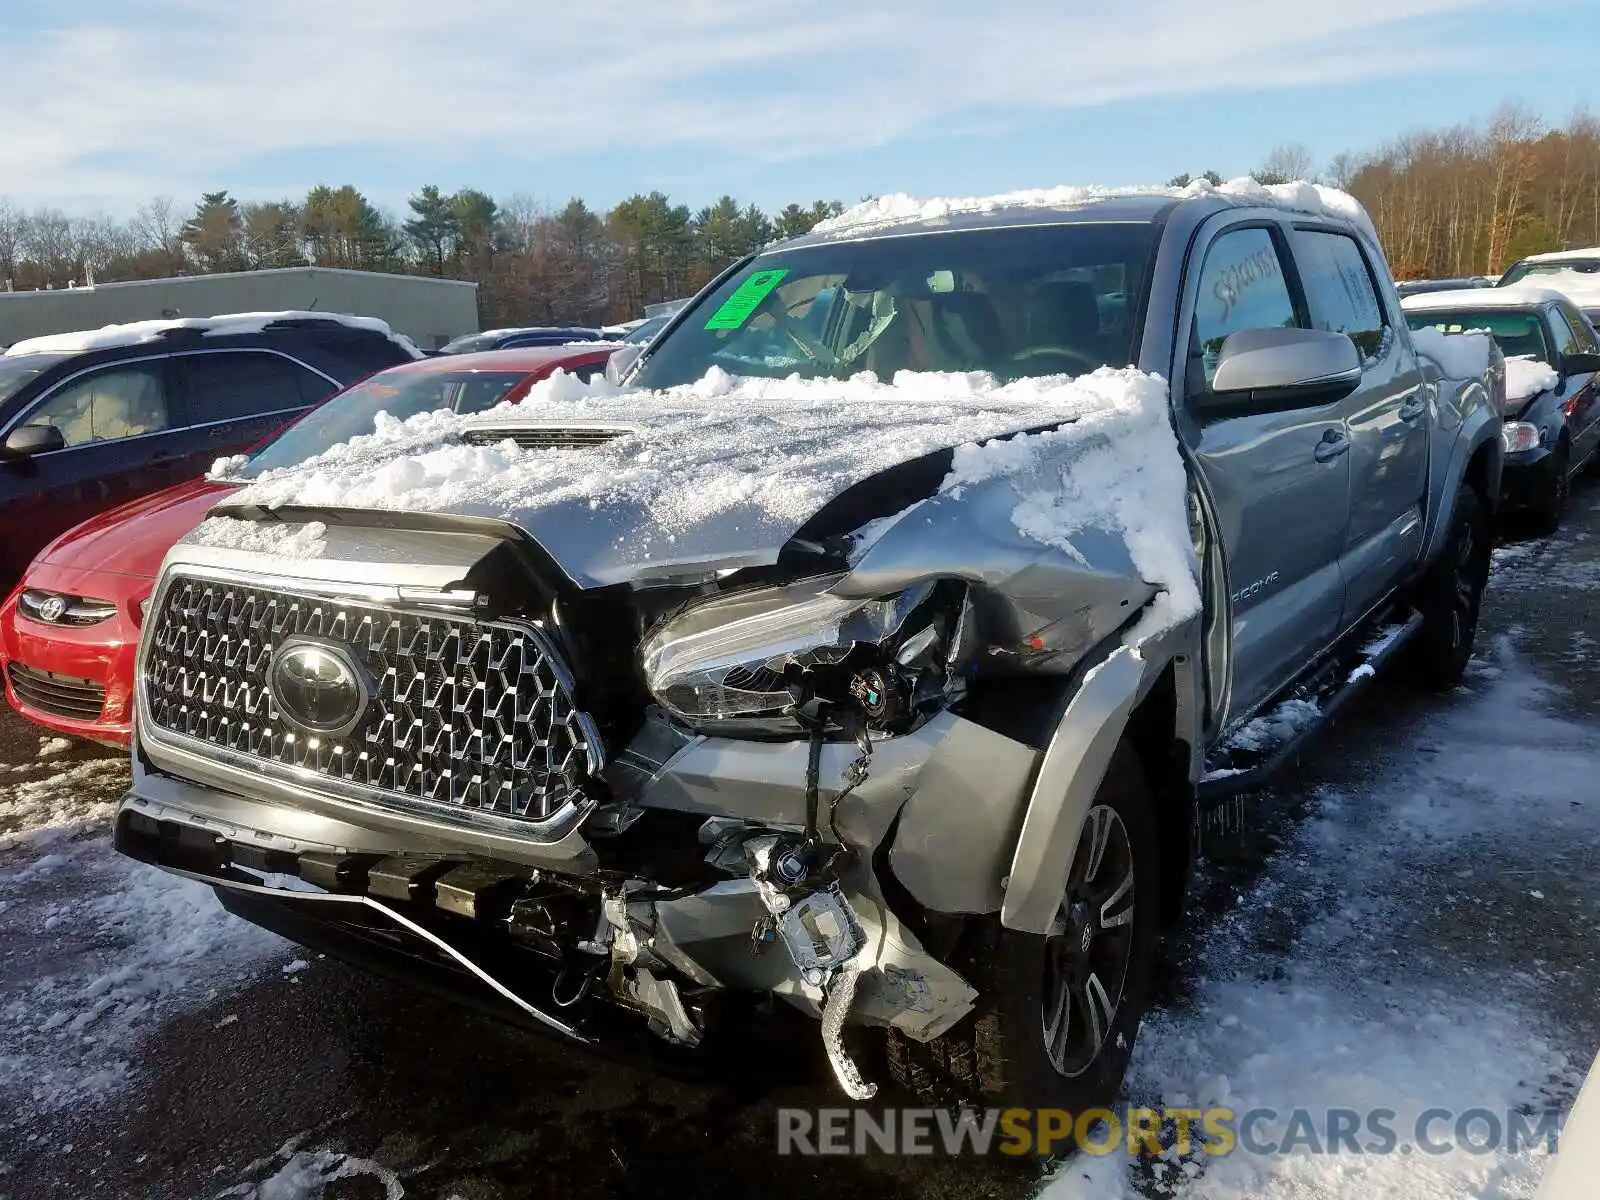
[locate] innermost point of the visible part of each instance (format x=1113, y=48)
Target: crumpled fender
x=1075, y=762
x=1070, y=773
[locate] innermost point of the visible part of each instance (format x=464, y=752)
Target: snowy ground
x=1415, y=922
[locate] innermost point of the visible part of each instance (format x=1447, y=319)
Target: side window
x=1582, y=328
x=589, y=371
x=119, y=402
x=233, y=385
x=1242, y=286
x=1339, y=290
x=1563, y=340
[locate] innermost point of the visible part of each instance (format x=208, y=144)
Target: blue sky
x=109, y=102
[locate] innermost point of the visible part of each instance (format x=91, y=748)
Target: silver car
x=771, y=679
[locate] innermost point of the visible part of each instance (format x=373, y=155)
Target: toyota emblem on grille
x=318, y=688
x=53, y=609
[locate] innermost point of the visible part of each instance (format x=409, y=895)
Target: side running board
x=1254, y=752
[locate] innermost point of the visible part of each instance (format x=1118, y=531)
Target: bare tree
x=1286, y=164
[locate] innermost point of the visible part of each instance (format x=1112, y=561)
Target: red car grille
x=58, y=695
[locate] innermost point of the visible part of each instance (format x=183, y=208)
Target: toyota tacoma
x=872, y=650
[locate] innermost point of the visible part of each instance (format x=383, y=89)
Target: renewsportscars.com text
x=1155, y=1131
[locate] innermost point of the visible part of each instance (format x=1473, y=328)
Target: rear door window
x=234, y=385
x=1339, y=290
x=1580, y=327
x=1564, y=340
x=108, y=405
x=1242, y=286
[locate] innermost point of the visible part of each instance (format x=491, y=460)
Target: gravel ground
x=1415, y=916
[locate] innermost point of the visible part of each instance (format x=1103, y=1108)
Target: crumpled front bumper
x=335, y=864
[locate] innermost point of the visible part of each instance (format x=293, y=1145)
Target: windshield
x=401, y=394
x=646, y=330
x=1516, y=333
x=1041, y=300
x=16, y=372
x=1586, y=269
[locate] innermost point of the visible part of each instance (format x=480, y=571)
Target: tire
x=1554, y=493
x=1000, y=1054
x=1450, y=598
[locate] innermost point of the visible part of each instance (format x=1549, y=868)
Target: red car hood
x=133, y=539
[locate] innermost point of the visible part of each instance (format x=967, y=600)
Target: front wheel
x=1058, y=1014
x=1450, y=597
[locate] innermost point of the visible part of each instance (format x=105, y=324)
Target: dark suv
x=89, y=422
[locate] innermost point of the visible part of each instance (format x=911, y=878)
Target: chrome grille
x=464, y=717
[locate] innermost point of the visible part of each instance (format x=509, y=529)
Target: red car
x=69, y=632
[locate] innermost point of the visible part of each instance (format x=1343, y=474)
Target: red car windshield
x=352, y=413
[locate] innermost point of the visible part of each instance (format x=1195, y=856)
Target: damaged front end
x=795, y=780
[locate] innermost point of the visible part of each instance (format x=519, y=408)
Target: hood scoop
x=546, y=437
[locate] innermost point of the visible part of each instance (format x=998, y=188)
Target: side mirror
x=27, y=440
x=621, y=361
x=1579, y=364
x=1284, y=367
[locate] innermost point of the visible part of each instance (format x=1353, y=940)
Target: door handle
x=1413, y=408
x=1334, y=443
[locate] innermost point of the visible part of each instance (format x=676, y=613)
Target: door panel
x=235, y=398
x=1579, y=395
x=121, y=445
x=1279, y=482
x=1388, y=417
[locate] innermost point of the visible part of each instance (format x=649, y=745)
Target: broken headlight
x=747, y=663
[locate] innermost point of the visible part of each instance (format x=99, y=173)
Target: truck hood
x=132, y=538
x=638, y=487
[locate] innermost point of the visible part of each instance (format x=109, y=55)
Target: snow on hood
x=896, y=209
x=1527, y=376
x=1462, y=355
x=723, y=472
x=137, y=332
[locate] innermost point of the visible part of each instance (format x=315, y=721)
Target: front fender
x=1074, y=764
x=1467, y=411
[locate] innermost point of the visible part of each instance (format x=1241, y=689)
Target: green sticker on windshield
x=746, y=298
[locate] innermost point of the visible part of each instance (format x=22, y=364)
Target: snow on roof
x=898, y=208
x=1514, y=295
x=1565, y=255
x=138, y=332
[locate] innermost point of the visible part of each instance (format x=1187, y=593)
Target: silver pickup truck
x=876, y=649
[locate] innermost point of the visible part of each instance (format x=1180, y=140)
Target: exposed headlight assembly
x=755, y=662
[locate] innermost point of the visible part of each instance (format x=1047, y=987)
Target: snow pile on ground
x=1394, y=956
x=1527, y=376
x=306, y=1174
x=50, y=747
x=94, y=947
x=135, y=333
x=901, y=209
x=34, y=812
x=285, y=541
x=1459, y=355
x=725, y=466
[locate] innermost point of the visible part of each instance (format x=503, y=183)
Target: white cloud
x=169, y=95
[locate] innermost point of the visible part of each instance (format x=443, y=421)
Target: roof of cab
x=900, y=215
x=1511, y=296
